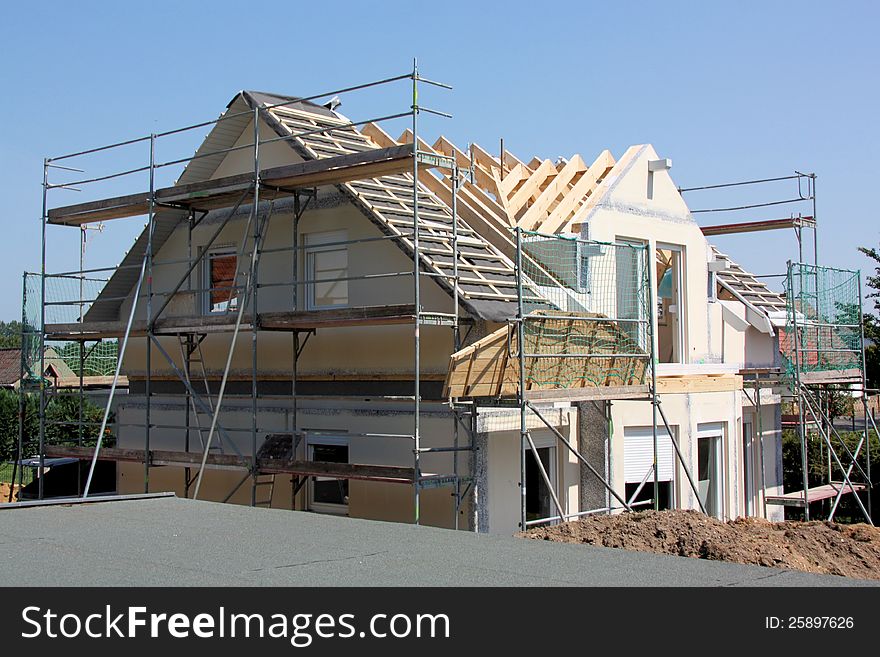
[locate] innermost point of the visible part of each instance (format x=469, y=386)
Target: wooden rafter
x=531, y=188
x=562, y=213
x=558, y=187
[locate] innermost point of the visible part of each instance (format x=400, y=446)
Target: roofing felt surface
x=176, y=542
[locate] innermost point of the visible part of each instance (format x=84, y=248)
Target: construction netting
x=68, y=298
x=823, y=320
x=594, y=329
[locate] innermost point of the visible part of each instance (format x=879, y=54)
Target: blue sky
x=729, y=91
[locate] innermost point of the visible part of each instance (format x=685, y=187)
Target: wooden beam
x=587, y=394
x=532, y=187
x=756, y=226
x=584, y=187
x=699, y=383
x=559, y=186
x=513, y=178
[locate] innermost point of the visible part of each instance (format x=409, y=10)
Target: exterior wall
x=502, y=462
x=643, y=206
x=332, y=352
x=771, y=421
x=368, y=499
x=624, y=212
x=685, y=412
x=496, y=492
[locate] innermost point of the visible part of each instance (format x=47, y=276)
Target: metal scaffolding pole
x=578, y=456
x=521, y=392
x=864, y=382
x=42, y=372
x=650, y=262
x=416, y=297
x=800, y=399
x=122, y=349
x=151, y=223
x=242, y=302
x=294, y=400
x=255, y=266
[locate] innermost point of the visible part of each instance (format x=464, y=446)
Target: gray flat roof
x=168, y=541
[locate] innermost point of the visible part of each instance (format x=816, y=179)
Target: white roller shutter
x=638, y=454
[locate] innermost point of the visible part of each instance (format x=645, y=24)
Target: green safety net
x=68, y=298
x=823, y=320
x=592, y=328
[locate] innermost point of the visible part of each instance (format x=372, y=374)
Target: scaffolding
x=822, y=350
x=577, y=316
x=583, y=332
x=66, y=301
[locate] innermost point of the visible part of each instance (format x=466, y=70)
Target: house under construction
x=320, y=316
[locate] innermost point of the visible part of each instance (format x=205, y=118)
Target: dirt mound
x=4, y=491
x=815, y=547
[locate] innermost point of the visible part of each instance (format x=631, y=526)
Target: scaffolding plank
x=375, y=315
x=588, y=394
x=367, y=472
x=796, y=498
x=311, y=173
x=756, y=226
x=275, y=321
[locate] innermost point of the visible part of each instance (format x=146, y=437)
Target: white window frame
x=716, y=431
x=315, y=243
x=750, y=486
x=207, y=284
x=325, y=507
x=680, y=299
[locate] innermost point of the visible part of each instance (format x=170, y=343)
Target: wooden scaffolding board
x=827, y=491
x=223, y=192
x=269, y=321
x=386, y=473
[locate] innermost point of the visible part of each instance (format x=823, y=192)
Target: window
x=326, y=265
x=328, y=494
x=709, y=467
x=221, y=266
x=638, y=466
x=670, y=304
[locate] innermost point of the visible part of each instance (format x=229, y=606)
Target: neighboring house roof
x=487, y=277
x=10, y=366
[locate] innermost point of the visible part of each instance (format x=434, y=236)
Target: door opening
x=539, y=503
x=709, y=473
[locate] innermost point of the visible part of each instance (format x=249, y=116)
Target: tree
x=10, y=334
x=872, y=321
x=62, y=423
